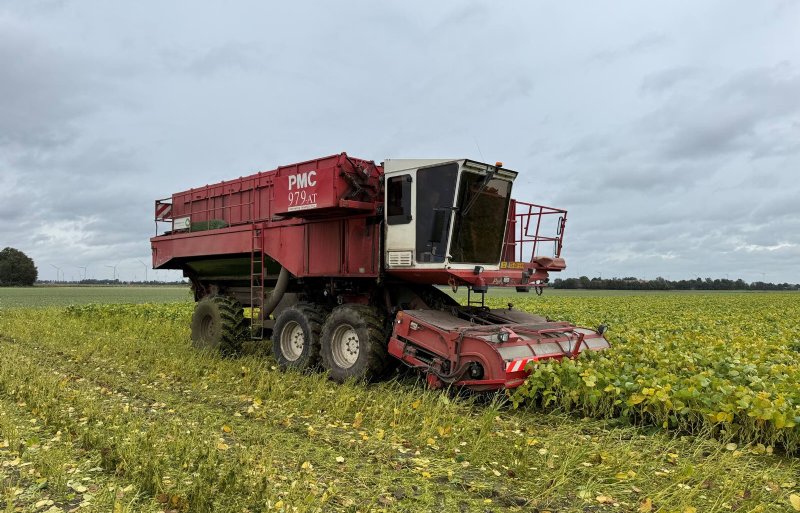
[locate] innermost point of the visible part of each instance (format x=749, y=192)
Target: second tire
x=354, y=343
x=296, y=336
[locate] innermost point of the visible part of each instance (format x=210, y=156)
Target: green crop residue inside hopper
x=213, y=224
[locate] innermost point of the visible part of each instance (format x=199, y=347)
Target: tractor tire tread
x=373, y=323
x=232, y=324
x=314, y=316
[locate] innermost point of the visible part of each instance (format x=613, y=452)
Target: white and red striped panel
x=518, y=365
x=163, y=211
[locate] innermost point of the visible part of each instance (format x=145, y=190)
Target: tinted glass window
x=481, y=219
x=398, y=200
x=435, y=193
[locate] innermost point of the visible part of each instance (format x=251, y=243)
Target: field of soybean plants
x=695, y=409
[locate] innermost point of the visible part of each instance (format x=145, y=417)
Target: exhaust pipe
x=276, y=295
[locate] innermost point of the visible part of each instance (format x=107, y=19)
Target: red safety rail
x=530, y=228
x=231, y=207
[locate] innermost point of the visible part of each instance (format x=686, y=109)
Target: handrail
x=164, y=212
x=525, y=227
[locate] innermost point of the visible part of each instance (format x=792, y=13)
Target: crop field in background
x=107, y=408
x=11, y=297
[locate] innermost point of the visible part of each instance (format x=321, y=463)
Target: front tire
x=218, y=325
x=354, y=343
x=296, y=336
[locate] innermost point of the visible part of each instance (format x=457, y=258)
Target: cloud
x=665, y=80
x=42, y=90
x=671, y=146
x=641, y=45
x=753, y=112
x=226, y=57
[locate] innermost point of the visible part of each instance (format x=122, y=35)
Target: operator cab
x=445, y=214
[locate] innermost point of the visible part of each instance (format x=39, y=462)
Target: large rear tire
x=354, y=343
x=218, y=325
x=296, y=336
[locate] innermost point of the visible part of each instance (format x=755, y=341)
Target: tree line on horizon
x=107, y=281
x=633, y=283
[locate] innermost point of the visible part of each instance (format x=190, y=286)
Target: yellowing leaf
x=222, y=446
x=689, y=509
x=339, y=459
x=646, y=506
x=226, y=428
x=794, y=500
x=358, y=420
x=78, y=487
x=416, y=404
x=636, y=399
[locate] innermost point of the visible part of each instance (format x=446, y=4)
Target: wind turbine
x=145, y=269
x=58, y=271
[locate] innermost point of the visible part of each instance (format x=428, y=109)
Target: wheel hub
x=345, y=347
x=293, y=341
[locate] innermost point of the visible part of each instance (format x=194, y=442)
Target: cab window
x=398, y=200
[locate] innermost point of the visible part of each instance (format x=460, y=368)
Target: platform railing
x=531, y=228
x=164, y=213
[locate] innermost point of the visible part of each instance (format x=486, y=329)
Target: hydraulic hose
x=277, y=294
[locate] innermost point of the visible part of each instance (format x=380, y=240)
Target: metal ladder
x=256, y=284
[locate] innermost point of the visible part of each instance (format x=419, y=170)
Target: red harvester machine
x=338, y=260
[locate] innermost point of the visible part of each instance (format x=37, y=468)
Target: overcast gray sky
x=670, y=131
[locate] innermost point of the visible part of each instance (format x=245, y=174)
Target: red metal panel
x=285, y=244
x=297, y=189
x=187, y=245
x=361, y=247
x=340, y=247
x=308, y=185
x=324, y=248
x=308, y=188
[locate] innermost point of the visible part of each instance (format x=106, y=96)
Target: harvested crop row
x=137, y=388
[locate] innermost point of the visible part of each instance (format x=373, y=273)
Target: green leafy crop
x=727, y=364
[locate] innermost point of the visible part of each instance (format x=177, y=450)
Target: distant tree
x=16, y=268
